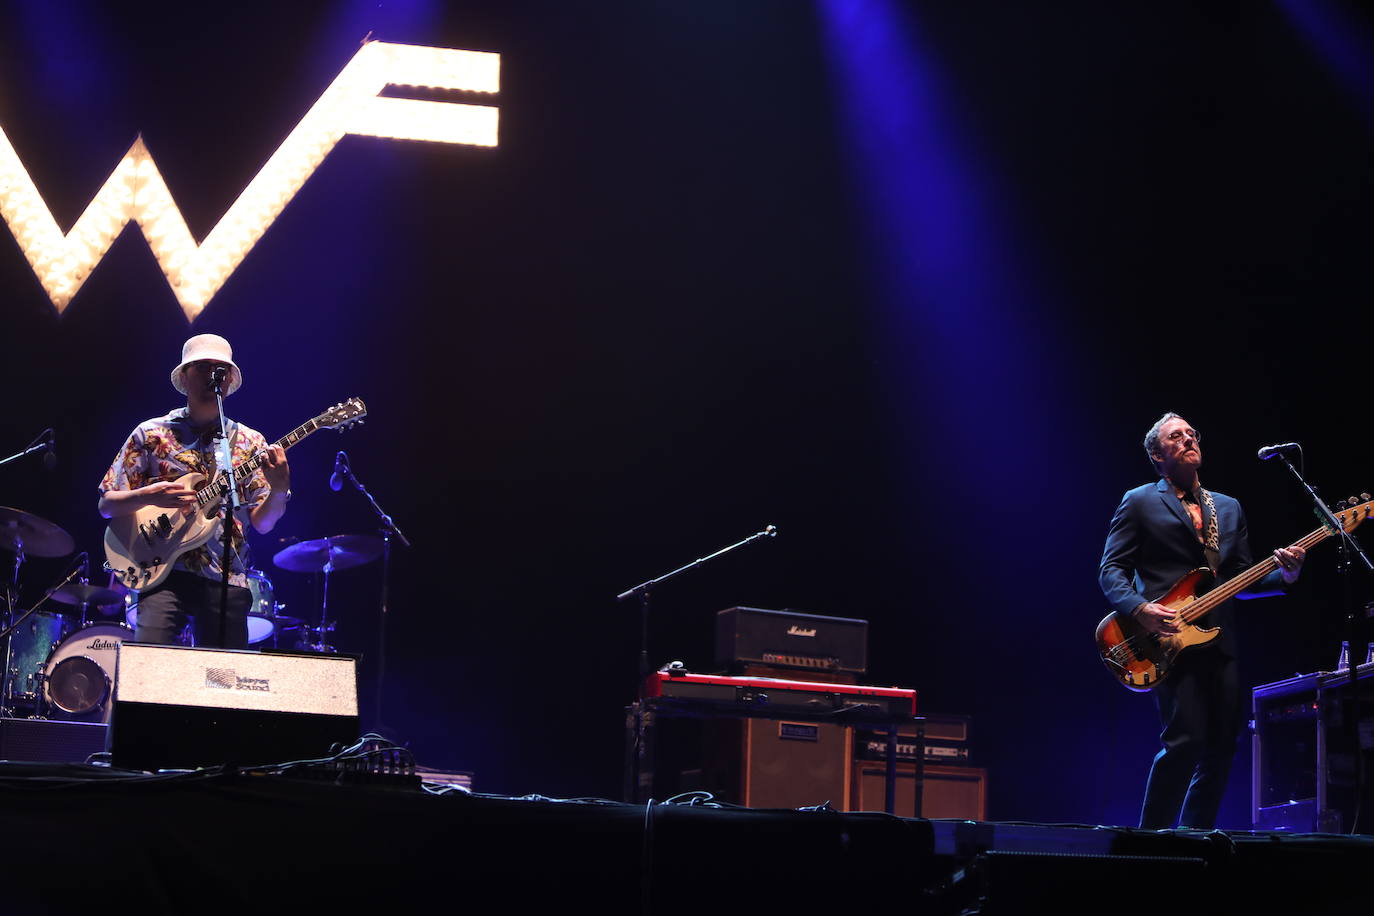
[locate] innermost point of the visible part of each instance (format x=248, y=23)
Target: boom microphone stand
x=388, y=529
x=642, y=591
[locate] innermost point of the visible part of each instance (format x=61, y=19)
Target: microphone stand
x=389, y=528
x=642, y=591
x=1348, y=547
x=230, y=506
x=38, y=446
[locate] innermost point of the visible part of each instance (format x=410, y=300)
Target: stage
x=665, y=319
x=86, y=836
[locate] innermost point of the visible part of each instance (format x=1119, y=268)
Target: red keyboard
x=760, y=694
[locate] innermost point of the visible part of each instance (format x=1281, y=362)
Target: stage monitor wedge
x=183, y=708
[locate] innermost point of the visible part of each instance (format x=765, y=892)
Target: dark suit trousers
x=1199, y=708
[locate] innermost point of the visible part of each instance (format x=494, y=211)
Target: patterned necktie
x=1211, y=539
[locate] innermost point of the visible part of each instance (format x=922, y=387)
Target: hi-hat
x=78, y=594
x=37, y=537
x=340, y=551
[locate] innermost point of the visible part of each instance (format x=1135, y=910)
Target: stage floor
x=82, y=837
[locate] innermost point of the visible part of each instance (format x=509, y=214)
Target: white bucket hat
x=207, y=346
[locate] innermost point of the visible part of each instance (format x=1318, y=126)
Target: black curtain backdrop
x=646, y=326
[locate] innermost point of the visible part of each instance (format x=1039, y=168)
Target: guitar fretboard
x=244, y=469
x=1348, y=518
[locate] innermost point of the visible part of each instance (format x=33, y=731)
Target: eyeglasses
x=1178, y=434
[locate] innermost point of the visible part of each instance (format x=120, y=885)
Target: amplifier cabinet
x=182, y=708
x=950, y=791
x=1303, y=768
x=47, y=741
x=778, y=763
x=946, y=741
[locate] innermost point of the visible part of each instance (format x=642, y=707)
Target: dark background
x=724, y=271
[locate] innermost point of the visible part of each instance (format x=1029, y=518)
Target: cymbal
x=341, y=551
x=37, y=536
x=79, y=594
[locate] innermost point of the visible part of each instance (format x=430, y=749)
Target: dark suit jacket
x=1152, y=544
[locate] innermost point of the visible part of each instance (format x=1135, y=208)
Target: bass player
x=1160, y=532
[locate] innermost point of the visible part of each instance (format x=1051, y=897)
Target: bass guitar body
x=142, y=546
x=1139, y=659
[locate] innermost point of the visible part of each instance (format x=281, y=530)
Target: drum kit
x=60, y=653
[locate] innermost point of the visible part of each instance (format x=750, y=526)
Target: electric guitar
x=1140, y=660
x=141, y=547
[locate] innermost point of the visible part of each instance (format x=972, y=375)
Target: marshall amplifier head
x=787, y=639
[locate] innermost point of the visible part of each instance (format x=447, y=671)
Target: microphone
x=1269, y=451
x=771, y=531
x=50, y=450
x=217, y=376
x=336, y=480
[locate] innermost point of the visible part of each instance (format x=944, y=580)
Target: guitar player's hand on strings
x=1158, y=619
x=167, y=494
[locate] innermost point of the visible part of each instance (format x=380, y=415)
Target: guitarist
x=1160, y=532
x=144, y=473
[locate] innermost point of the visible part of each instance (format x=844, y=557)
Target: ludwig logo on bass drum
x=103, y=645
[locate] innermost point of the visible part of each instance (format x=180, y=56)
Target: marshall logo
x=103, y=645
x=228, y=679
x=795, y=630
x=135, y=192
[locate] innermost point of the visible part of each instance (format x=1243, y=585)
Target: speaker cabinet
x=177, y=707
x=777, y=763
x=955, y=792
x=45, y=741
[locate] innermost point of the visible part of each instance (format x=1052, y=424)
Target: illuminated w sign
x=136, y=192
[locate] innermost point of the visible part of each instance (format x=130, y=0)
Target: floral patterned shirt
x=165, y=448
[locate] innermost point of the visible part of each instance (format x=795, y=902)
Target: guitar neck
x=1240, y=583
x=244, y=469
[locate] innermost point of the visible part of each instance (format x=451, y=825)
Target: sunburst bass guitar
x=141, y=547
x=1140, y=660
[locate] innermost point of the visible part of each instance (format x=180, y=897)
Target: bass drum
x=260, y=613
x=80, y=673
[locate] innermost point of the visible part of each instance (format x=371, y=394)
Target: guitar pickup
x=164, y=525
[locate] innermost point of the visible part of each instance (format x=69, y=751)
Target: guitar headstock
x=342, y=416
x=1354, y=510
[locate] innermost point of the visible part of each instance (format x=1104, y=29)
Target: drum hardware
x=326, y=555
x=87, y=596
x=26, y=635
